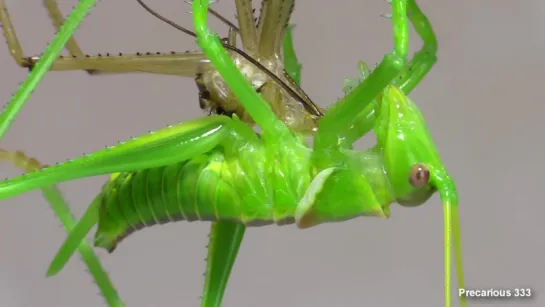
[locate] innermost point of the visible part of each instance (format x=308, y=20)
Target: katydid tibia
x=219, y=169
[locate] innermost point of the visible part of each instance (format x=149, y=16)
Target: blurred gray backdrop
x=483, y=102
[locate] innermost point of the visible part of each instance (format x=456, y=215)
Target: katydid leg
x=223, y=245
x=284, y=19
x=424, y=59
x=180, y=64
x=365, y=121
x=75, y=237
x=292, y=67
x=273, y=20
x=339, y=117
x=291, y=62
x=14, y=45
x=162, y=147
x=62, y=210
x=58, y=19
x=51, y=53
x=408, y=79
x=247, y=27
x=183, y=64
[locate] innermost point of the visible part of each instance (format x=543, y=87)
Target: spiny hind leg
x=119, y=64
x=273, y=20
x=181, y=64
x=424, y=59
x=247, y=26
x=63, y=212
x=172, y=144
x=223, y=244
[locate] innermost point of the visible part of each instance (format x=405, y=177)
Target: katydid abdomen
x=205, y=188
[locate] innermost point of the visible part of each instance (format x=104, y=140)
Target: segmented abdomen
x=205, y=188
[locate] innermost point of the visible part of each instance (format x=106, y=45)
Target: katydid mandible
x=403, y=167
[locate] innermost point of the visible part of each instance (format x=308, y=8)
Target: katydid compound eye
x=419, y=175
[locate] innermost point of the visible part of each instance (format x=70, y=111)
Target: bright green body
x=254, y=183
x=218, y=169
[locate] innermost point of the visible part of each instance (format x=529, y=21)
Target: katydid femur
x=274, y=75
x=219, y=169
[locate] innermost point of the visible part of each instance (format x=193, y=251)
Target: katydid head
x=415, y=170
x=411, y=160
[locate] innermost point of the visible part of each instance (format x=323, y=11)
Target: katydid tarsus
x=275, y=178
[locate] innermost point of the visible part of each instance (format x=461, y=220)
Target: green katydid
x=329, y=182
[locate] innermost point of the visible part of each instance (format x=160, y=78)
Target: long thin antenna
x=224, y=20
x=166, y=20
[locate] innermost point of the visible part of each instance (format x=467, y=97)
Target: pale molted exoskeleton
x=261, y=60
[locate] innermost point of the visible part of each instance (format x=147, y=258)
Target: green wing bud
x=338, y=194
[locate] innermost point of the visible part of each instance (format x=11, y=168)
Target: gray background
x=483, y=103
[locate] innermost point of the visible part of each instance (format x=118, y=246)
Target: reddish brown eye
x=419, y=176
